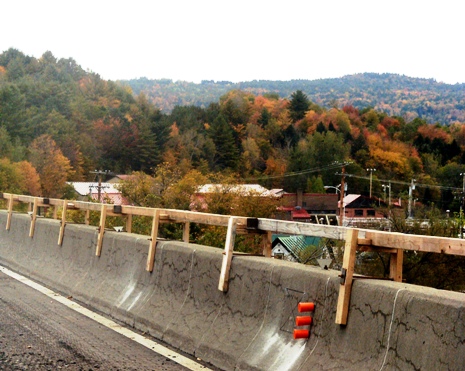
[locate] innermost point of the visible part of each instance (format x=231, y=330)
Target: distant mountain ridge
x=396, y=95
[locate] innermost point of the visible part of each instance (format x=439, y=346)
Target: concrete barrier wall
x=391, y=325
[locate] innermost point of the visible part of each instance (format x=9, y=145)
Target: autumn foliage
x=58, y=123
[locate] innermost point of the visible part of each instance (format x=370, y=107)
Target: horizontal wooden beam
x=306, y=229
x=440, y=245
x=387, y=240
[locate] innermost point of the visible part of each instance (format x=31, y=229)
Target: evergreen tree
x=264, y=118
x=226, y=154
x=298, y=106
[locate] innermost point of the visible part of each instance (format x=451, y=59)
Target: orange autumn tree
x=30, y=178
x=52, y=166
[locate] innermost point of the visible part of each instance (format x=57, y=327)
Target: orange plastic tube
x=306, y=307
x=303, y=320
x=301, y=334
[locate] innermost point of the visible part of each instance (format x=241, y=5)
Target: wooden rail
x=355, y=239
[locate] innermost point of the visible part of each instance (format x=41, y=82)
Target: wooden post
x=128, y=223
x=347, y=273
x=101, y=229
x=396, y=262
x=153, y=241
x=186, y=231
x=63, y=222
x=33, y=217
x=87, y=218
x=10, y=212
x=228, y=254
x=266, y=241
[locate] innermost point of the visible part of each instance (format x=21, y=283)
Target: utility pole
x=410, y=189
x=371, y=178
x=462, y=204
x=99, y=187
x=341, y=202
x=389, y=194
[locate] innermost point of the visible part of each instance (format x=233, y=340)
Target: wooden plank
x=266, y=241
x=101, y=229
x=440, y=245
x=388, y=250
x=395, y=265
x=345, y=288
x=63, y=222
x=227, y=257
x=202, y=218
x=153, y=241
x=10, y=211
x=306, y=229
x=129, y=223
x=25, y=199
x=87, y=217
x=33, y=217
x=186, y=232
x=364, y=242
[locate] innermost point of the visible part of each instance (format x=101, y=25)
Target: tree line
x=392, y=94
x=66, y=122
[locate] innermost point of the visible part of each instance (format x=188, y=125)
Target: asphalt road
x=38, y=333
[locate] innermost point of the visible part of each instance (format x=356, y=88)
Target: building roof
x=299, y=213
x=278, y=192
x=84, y=188
x=313, y=201
x=295, y=245
x=242, y=189
x=118, y=178
x=348, y=199
x=361, y=201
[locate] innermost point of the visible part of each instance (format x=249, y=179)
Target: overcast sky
x=243, y=40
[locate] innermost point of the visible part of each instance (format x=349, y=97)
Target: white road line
x=150, y=344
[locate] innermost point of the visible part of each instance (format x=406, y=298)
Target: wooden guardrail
x=355, y=239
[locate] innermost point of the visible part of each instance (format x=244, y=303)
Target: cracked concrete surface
x=391, y=326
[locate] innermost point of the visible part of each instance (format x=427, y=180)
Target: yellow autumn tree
x=392, y=156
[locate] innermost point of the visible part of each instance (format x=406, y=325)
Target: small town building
x=86, y=191
x=292, y=248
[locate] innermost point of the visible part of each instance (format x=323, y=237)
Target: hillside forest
x=59, y=123
x=394, y=95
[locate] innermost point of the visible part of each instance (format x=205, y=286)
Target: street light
x=341, y=199
x=384, y=190
x=337, y=188
x=371, y=177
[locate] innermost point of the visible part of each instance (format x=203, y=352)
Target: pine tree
x=298, y=105
x=227, y=154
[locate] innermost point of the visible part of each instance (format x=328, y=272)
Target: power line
x=404, y=183
x=302, y=172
